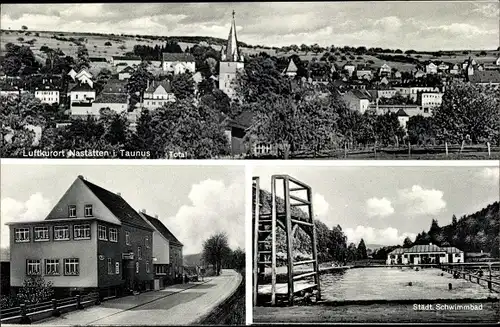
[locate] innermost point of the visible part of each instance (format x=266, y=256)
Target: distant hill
x=192, y=259
x=471, y=233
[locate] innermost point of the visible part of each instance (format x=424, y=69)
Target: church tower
x=231, y=62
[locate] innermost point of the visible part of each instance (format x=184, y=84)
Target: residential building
x=92, y=240
x=431, y=68
x=358, y=100
x=8, y=89
x=178, y=63
x=419, y=73
x=291, y=70
x=429, y=100
x=350, y=68
x=363, y=72
x=486, y=78
x=403, y=118
x=455, y=70
x=157, y=94
x=81, y=98
x=231, y=63
x=497, y=62
x=421, y=254
x=410, y=109
x=170, y=269
x=161, y=253
x=412, y=91
x=125, y=73
x=442, y=67
x=47, y=93
x=383, y=92
x=113, y=96
x=126, y=61
x=385, y=69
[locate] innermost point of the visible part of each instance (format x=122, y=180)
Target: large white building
x=158, y=94
x=429, y=253
x=231, y=62
x=47, y=94
x=178, y=63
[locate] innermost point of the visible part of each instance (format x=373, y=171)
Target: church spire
x=232, y=51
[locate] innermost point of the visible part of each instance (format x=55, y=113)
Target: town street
x=175, y=305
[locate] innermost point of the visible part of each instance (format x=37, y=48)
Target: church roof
x=292, y=68
x=232, y=50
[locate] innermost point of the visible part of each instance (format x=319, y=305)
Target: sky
x=194, y=202
x=383, y=205
x=418, y=25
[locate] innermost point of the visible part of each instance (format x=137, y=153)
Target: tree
x=454, y=220
x=83, y=59
x=420, y=130
x=351, y=253
x=215, y=248
x=108, y=44
x=24, y=27
x=468, y=110
x=361, y=250
x=407, y=243
x=183, y=86
x=138, y=81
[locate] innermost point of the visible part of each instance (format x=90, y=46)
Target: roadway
x=183, y=304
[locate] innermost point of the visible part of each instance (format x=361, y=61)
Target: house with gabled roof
x=291, y=69
x=168, y=264
x=358, y=100
x=81, y=98
x=126, y=73
x=486, y=78
x=157, y=94
x=92, y=240
x=178, y=63
x=422, y=254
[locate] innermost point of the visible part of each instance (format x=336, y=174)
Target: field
x=122, y=44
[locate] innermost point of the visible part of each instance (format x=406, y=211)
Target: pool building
x=429, y=253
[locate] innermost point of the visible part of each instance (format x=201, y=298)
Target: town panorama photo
x=331, y=80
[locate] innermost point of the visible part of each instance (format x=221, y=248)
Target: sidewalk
x=175, y=305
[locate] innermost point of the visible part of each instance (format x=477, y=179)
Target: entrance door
x=128, y=273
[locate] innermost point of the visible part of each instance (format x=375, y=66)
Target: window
x=22, y=235
x=61, y=233
x=147, y=242
x=161, y=269
x=117, y=268
x=127, y=238
x=72, y=211
x=137, y=267
x=71, y=267
x=147, y=267
x=88, y=210
x=81, y=232
x=52, y=267
x=113, y=235
x=110, y=266
x=102, y=233
x=139, y=253
x=33, y=267
x=41, y=234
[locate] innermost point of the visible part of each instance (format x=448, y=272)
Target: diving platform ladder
x=264, y=242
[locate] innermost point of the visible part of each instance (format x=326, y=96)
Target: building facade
x=425, y=254
x=91, y=240
x=158, y=94
x=178, y=63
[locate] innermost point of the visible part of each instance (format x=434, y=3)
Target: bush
x=108, y=44
x=35, y=290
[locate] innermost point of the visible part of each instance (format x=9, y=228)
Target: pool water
x=392, y=284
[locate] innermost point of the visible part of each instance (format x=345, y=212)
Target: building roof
x=244, y=120
x=155, y=84
x=162, y=229
x=232, y=50
x=292, y=68
x=401, y=113
x=126, y=58
x=426, y=248
x=83, y=87
x=115, y=86
x=112, y=98
x=97, y=59
x=360, y=94
x=127, y=69
x=117, y=205
x=181, y=56
x=485, y=76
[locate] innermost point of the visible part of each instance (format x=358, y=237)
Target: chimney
x=156, y=216
x=143, y=210
x=81, y=177
x=118, y=193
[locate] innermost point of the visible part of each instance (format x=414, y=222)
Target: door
x=128, y=273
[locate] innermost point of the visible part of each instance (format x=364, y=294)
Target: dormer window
x=72, y=211
x=88, y=210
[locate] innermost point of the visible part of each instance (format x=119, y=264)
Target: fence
x=489, y=282
x=26, y=313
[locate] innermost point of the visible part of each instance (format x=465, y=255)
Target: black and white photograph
x=121, y=245
x=251, y=80
x=336, y=244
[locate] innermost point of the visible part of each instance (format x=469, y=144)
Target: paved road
x=176, y=305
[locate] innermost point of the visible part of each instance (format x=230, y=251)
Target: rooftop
x=485, y=76
x=162, y=229
x=155, y=84
x=112, y=98
x=83, y=87
x=426, y=248
x=181, y=56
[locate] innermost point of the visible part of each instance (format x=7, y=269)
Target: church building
x=231, y=62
